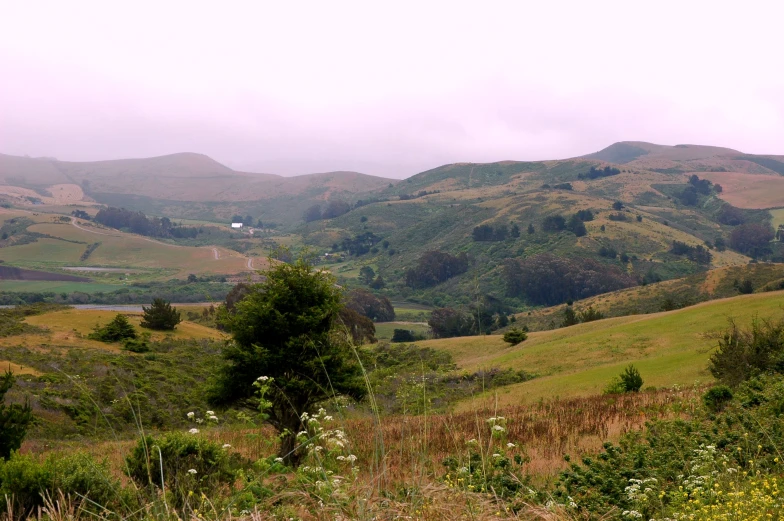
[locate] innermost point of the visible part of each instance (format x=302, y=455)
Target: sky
x=385, y=88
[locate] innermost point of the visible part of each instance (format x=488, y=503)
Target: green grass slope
x=669, y=348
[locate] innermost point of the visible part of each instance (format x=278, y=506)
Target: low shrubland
x=663, y=454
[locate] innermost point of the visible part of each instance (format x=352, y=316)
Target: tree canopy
x=287, y=330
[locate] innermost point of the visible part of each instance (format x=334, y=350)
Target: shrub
x=717, y=397
x=590, y=314
x=137, y=345
x=514, y=336
x=161, y=316
x=631, y=379
x=118, y=329
x=174, y=456
x=405, y=335
x=14, y=419
x=743, y=353
x=26, y=479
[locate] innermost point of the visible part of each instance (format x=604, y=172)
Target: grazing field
x=64, y=244
x=749, y=191
x=668, y=348
x=72, y=325
x=385, y=330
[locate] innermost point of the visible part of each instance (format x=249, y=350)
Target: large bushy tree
x=374, y=307
x=287, y=329
x=752, y=239
x=14, y=419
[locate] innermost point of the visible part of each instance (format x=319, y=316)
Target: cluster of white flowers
x=262, y=378
x=498, y=424
x=194, y=431
x=632, y=514
x=191, y=471
x=639, y=488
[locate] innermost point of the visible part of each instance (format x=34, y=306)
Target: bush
x=137, y=345
x=14, y=419
x=717, y=398
x=160, y=316
x=115, y=331
x=26, y=479
x=631, y=379
x=514, y=336
x=405, y=335
x=181, y=453
x=744, y=353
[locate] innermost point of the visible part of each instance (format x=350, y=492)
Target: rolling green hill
x=669, y=348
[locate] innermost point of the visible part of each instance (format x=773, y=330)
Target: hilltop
x=170, y=185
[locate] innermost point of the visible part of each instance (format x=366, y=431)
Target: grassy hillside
x=666, y=295
x=669, y=348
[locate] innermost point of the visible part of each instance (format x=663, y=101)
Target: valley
x=638, y=261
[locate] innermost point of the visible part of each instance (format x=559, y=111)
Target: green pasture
x=385, y=330
x=669, y=348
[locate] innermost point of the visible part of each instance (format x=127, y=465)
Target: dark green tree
x=366, y=274
x=287, y=329
x=160, y=316
x=531, y=229
x=115, y=331
x=515, y=232
x=14, y=419
x=570, y=318
x=514, y=336
x=631, y=380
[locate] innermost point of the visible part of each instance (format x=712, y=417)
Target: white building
x=236, y=225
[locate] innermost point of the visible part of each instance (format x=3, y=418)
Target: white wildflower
x=194, y=431
x=510, y=445
x=191, y=414
x=191, y=471
x=210, y=413
x=351, y=458
x=498, y=428
x=496, y=455
x=262, y=378
x=226, y=446
x=279, y=460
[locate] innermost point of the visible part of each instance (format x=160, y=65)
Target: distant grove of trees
x=137, y=222
x=435, y=267
x=486, y=233
x=360, y=244
x=334, y=208
x=545, y=279
x=575, y=224
x=689, y=196
x=752, y=239
x=595, y=173
x=698, y=253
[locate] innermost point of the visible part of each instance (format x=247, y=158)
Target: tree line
x=137, y=222
x=548, y=280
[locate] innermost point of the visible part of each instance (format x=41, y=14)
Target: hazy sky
x=385, y=88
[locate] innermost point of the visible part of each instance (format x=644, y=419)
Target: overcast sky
x=385, y=88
